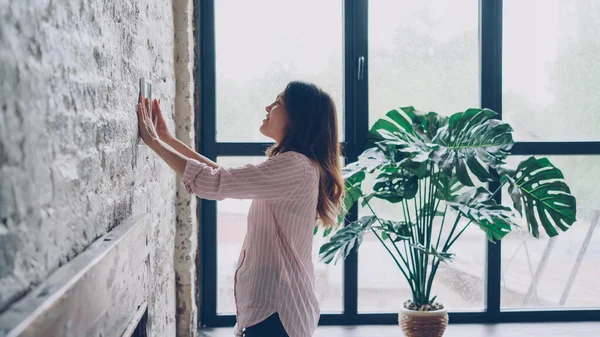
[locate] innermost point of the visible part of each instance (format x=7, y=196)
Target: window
x=549, y=77
x=424, y=54
x=260, y=46
x=558, y=272
x=550, y=70
x=531, y=61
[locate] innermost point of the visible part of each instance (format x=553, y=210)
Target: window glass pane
x=459, y=285
x=562, y=271
x=423, y=54
x=550, y=69
x=231, y=229
x=261, y=45
x=426, y=55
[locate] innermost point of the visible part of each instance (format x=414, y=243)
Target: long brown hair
x=313, y=131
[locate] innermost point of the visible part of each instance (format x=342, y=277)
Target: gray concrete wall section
x=71, y=164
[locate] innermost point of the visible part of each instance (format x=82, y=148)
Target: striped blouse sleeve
x=274, y=179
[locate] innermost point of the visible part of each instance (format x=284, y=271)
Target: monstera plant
x=424, y=166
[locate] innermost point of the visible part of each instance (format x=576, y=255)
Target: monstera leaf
x=409, y=150
x=473, y=142
x=354, y=174
x=427, y=125
x=441, y=255
x=393, y=184
x=342, y=242
x=495, y=220
x=394, y=230
x=371, y=159
x=538, y=189
x=397, y=120
x=448, y=186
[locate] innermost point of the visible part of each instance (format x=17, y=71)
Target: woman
x=299, y=183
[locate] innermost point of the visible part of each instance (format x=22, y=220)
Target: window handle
x=361, y=68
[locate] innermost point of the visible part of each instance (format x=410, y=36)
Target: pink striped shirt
x=275, y=272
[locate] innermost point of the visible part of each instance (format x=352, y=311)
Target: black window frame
x=356, y=126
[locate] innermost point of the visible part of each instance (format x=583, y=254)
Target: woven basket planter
x=423, y=323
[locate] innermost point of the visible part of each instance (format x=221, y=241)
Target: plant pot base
x=423, y=323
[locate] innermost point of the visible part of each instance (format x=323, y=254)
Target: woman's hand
x=145, y=125
x=161, y=127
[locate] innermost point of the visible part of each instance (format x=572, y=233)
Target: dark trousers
x=270, y=327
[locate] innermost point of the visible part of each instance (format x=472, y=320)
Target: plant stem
x=413, y=254
x=451, y=232
x=459, y=233
x=418, y=253
x=422, y=255
x=406, y=253
x=447, y=245
x=396, y=248
x=437, y=244
x=496, y=191
x=395, y=260
x=434, y=263
x=432, y=214
x=431, y=277
x=424, y=209
x=415, y=203
x=410, y=257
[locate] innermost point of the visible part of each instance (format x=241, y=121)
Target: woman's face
x=276, y=121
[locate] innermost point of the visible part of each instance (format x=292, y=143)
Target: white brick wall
x=71, y=164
